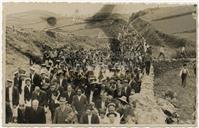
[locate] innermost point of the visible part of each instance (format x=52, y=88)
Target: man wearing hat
x=12, y=101
x=184, y=72
x=112, y=118
x=12, y=94
x=61, y=114
x=28, y=89
x=79, y=103
x=111, y=108
x=124, y=108
x=148, y=60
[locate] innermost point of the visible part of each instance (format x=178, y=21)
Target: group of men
x=84, y=86
x=75, y=86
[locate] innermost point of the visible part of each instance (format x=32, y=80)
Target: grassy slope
x=172, y=20
x=174, y=28
x=170, y=80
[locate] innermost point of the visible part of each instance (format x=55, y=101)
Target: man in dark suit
x=16, y=79
x=126, y=89
x=23, y=112
x=69, y=94
x=41, y=96
x=28, y=89
x=35, y=78
x=89, y=117
x=12, y=94
x=62, y=80
x=79, y=103
x=36, y=114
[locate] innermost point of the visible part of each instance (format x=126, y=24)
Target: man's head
x=111, y=107
x=112, y=116
x=35, y=104
x=43, y=75
x=28, y=81
x=69, y=88
x=52, y=87
x=62, y=102
x=37, y=89
x=54, y=83
x=79, y=92
x=22, y=105
x=125, y=83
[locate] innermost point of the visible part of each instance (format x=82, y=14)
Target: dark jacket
x=64, y=83
x=36, y=81
x=23, y=115
x=15, y=95
x=42, y=98
x=59, y=116
x=79, y=106
x=28, y=93
x=37, y=117
x=127, y=92
x=69, y=98
x=94, y=119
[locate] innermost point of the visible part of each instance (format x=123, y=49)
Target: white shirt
x=103, y=104
x=61, y=82
x=29, y=87
x=79, y=97
x=162, y=50
x=32, y=76
x=69, y=93
x=89, y=119
x=91, y=97
x=10, y=93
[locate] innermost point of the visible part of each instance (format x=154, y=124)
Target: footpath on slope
x=147, y=110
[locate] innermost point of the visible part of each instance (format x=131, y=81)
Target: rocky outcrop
x=150, y=109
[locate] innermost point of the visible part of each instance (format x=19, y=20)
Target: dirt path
x=170, y=80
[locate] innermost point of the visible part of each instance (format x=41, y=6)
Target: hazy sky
x=71, y=8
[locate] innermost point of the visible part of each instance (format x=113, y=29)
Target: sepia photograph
x=99, y=64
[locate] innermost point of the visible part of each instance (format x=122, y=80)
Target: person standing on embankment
x=183, y=74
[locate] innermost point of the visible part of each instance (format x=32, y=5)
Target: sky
x=71, y=9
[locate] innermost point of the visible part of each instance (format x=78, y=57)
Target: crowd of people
x=81, y=86
x=77, y=86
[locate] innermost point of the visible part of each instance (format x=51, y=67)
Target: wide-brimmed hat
x=112, y=81
x=111, y=104
x=32, y=68
x=125, y=81
x=43, y=65
x=9, y=80
x=57, y=60
x=16, y=72
x=62, y=100
x=27, y=79
x=123, y=99
x=111, y=113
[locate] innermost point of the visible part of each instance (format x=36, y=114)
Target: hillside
x=172, y=27
x=27, y=31
x=21, y=42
